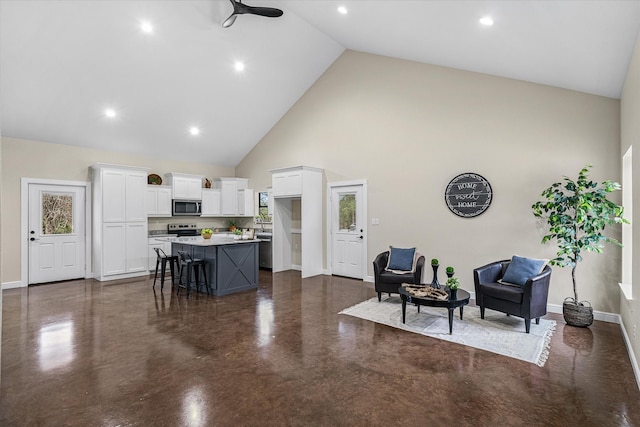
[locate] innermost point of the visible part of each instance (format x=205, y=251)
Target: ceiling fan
x=239, y=8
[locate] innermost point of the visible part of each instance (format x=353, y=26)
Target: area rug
x=497, y=332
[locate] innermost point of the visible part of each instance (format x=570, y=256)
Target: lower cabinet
x=124, y=248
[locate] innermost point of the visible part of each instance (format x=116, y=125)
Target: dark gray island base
x=230, y=267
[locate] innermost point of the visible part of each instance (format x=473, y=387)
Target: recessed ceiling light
x=343, y=10
x=239, y=66
x=487, y=21
x=194, y=131
x=146, y=27
x=110, y=113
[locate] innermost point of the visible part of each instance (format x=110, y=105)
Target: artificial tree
x=576, y=213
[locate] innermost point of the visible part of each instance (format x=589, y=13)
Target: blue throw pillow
x=401, y=259
x=520, y=269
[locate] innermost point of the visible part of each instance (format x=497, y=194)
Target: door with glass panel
x=56, y=233
x=347, y=231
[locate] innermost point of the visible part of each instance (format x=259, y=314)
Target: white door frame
x=24, y=224
x=365, y=219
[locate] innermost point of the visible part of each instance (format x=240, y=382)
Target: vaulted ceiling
x=63, y=64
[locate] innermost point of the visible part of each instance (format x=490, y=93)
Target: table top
x=462, y=297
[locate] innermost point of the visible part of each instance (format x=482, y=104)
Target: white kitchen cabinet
x=158, y=201
x=211, y=202
x=185, y=186
x=287, y=183
x=229, y=193
x=246, y=202
x=301, y=183
x=119, y=221
x=123, y=194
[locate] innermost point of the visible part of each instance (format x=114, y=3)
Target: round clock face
x=468, y=195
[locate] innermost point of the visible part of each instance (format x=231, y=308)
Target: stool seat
x=186, y=261
x=161, y=261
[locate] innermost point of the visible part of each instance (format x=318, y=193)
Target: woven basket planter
x=577, y=313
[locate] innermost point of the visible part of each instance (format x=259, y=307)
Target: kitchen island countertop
x=200, y=241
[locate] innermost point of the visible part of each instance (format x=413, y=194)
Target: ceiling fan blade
x=240, y=8
x=270, y=12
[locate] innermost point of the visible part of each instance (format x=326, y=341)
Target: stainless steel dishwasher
x=265, y=259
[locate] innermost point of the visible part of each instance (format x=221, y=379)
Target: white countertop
x=201, y=241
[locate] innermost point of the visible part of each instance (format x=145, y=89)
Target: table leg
x=404, y=309
x=451, y=321
x=461, y=311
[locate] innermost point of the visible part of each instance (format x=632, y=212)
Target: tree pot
x=579, y=314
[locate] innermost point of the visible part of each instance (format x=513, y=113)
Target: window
x=57, y=213
x=263, y=205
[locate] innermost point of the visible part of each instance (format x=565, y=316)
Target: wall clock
x=468, y=195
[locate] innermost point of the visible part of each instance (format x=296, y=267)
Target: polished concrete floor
x=85, y=353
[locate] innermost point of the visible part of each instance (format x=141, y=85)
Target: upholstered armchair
x=389, y=281
x=528, y=301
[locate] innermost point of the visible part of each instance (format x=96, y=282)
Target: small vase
x=434, y=282
x=453, y=293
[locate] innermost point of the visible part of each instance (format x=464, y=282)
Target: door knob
x=361, y=237
x=33, y=238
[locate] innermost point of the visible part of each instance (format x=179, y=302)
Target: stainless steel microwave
x=187, y=207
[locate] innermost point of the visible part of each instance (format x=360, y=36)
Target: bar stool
x=163, y=259
x=189, y=263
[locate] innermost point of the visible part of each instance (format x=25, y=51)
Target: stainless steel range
x=183, y=230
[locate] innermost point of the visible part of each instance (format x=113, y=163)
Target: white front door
x=56, y=233
x=347, y=231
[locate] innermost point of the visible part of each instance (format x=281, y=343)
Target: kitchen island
x=231, y=265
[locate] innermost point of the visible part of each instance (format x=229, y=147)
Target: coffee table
x=461, y=299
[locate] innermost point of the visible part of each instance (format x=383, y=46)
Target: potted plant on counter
x=576, y=213
x=237, y=233
x=232, y=225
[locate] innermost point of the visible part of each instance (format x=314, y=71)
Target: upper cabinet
x=246, y=202
x=123, y=194
x=211, y=202
x=229, y=202
x=185, y=186
x=289, y=182
x=158, y=201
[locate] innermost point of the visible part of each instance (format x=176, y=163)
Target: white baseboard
x=296, y=267
x=368, y=279
x=632, y=356
x=597, y=315
x=13, y=285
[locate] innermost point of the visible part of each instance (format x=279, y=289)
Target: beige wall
x=630, y=136
x=409, y=128
x=31, y=159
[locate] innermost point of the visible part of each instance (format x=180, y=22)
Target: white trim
x=12, y=285
x=597, y=315
x=365, y=221
x=632, y=356
x=296, y=267
x=24, y=223
x=627, y=290
x=369, y=279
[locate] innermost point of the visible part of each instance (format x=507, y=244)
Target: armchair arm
x=418, y=273
x=538, y=285
x=380, y=263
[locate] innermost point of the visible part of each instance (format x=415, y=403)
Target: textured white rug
x=497, y=332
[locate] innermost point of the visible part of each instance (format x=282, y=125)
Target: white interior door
x=347, y=231
x=56, y=233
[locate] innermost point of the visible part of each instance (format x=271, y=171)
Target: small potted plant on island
x=434, y=264
x=237, y=233
x=450, y=272
x=206, y=233
x=453, y=283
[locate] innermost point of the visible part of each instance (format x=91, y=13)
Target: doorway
x=55, y=233
x=348, y=229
